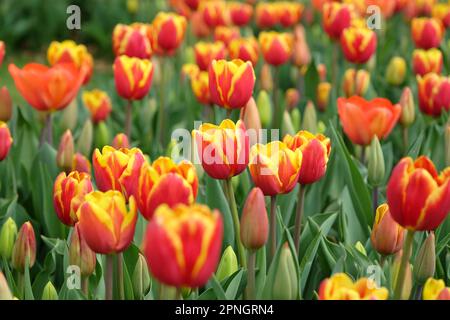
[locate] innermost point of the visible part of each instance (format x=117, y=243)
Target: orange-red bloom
x=231, y=83
x=418, y=198
x=315, y=150
x=427, y=33
x=358, y=44
x=225, y=34
x=68, y=194
x=133, y=40
x=254, y=221
x=240, y=13
x=133, y=77
x=182, y=245
x=168, y=32
x=224, y=149
x=105, y=222
x=48, y=88
x=441, y=12
x=200, y=87
x=435, y=290
x=98, y=103
x=215, y=13
x=387, y=235
x=289, y=13
x=276, y=47
x=206, y=52
x=5, y=140
x=336, y=17
x=6, y=104
x=266, y=15
x=121, y=141
x=434, y=94
x=80, y=163
x=427, y=61
x=245, y=49
x=362, y=119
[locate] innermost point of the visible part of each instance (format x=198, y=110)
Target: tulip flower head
x=65, y=153
x=358, y=44
x=24, y=251
x=200, y=87
x=387, y=235
x=427, y=33
x=427, y=61
x=336, y=17
x=323, y=95
x=441, y=12
x=120, y=141
x=240, y=13
x=246, y=49
x=433, y=94
x=254, y=221
x=132, y=40
x=266, y=15
x=6, y=105
x=5, y=140
x=98, y=103
x=80, y=163
x=226, y=34
x=215, y=13
x=206, y=52
x=80, y=254
x=355, y=82
x=168, y=32
x=289, y=13
x=435, y=290
x=276, y=47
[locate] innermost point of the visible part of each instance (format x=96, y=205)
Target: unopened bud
x=323, y=95
x=387, y=235
x=80, y=254
x=8, y=235
x=228, y=264
x=425, y=263
x=322, y=70
x=254, y=222
x=285, y=285
x=266, y=78
x=84, y=144
x=49, y=292
x=288, y=126
x=265, y=108
x=5, y=292
x=141, y=278
x=376, y=169
x=102, y=135
x=5, y=104
x=24, y=251
x=296, y=119
x=69, y=116
x=250, y=116
x=396, y=71
x=355, y=82
x=359, y=246
x=310, y=118
x=292, y=98
x=64, y=157
x=407, y=284
x=80, y=163
x=120, y=141
x=407, y=115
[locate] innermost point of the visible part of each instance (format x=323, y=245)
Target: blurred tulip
x=168, y=31
x=5, y=140
x=81, y=164
x=193, y=4
x=198, y=26
x=5, y=292
x=425, y=263
x=240, y=13
x=362, y=119
x=200, y=88
x=80, y=254
x=387, y=235
x=2, y=52
x=105, y=222
x=245, y=49
x=375, y=165
x=231, y=83
x=427, y=61
x=322, y=70
x=214, y=13
x=264, y=105
x=133, y=77
x=250, y=115
x=296, y=119
x=226, y=34
x=48, y=89
x=441, y=12
x=189, y=70
x=254, y=221
x=120, y=141
x=435, y=290
x=5, y=104
x=276, y=47
x=289, y=13
x=292, y=97
x=427, y=33
x=182, y=245
x=433, y=94
x=323, y=95
x=310, y=118
x=418, y=198
x=8, y=234
x=132, y=40
x=102, y=135
x=386, y=7
x=285, y=284
x=141, y=278
x=84, y=142
x=24, y=251
x=206, y=52
x=223, y=150
x=336, y=17
x=301, y=55
x=69, y=192
x=358, y=44
x=266, y=15
x=266, y=78
x=355, y=84
x=165, y=182
x=407, y=115
x=228, y=264
x=98, y=103
x=396, y=71
x=132, y=6
x=49, y=292
x=65, y=152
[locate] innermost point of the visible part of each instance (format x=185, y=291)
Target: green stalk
x=161, y=109
x=250, y=291
x=120, y=275
x=273, y=226
x=407, y=248
x=85, y=285
x=299, y=215
x=109, y=277
x=128, y=119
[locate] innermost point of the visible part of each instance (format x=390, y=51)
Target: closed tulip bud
x=226, y=34
x=407, y=115
x=285, y=285
x=81, y=164
x=359, y=246
x=287, y=126
x=121, y=141
x=447, y=145
x=427, y=33
x=168, y=32
x=250, y=116
x=214, y=13
x=355, y=83
x=24, y=251
x=254, y=221
x=432, y=290
x=322, y=70
x=8, y=235
x=396, y=71
x=5, y=104
x=292, y=98
x=387, y=235
x=98, y=103
x=200, y=88
x=5, y=140
x=84, y=143
x=80, y=254
x=276, y=47
x=5, y=292
x=266, y=15
x=301, y=55
x=266, y=78
x=264, y=105
x=132, y=6
x=228, y=264
x=425, y=263
x=358, y=44
x=408, y=283
x=296, y=119
x=65, y=153
x=310, y=118
x=102, y=136
x=69, y=116
x=323, y=95
x=49, y=292
x=141, y=278
x=375, y=168
x=133, y=77
x=198, y=26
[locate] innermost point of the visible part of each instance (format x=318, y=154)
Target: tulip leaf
x=234, y=286
x=215, y=284
x=27, y=289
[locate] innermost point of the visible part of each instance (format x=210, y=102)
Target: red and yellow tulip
x=427, y=61
x=323, y=95
x=427, y=33
x=24, y=251
x=120, y=141
x=433, y=94
x=98, y=103
x=289, y=13
x=435, y=290
x=226, y=33
x=441, y=12
x=133, y=40
x=387, y=235
x=358, y=44
x=336, y=17
x=240, y=13
x=205, y=52
x=168, y=31
x=215, y=13
x=245, y=49
x=200, y=87
x=5, y=140
x=276, y=47
x=355, y=83
x=266, y=15
x=80, y=163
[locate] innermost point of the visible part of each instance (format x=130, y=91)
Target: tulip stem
x=128, y=118
x=85, y=285
x=299, y=215
x=162, y=95
x=237, y=227
x=273, y=226
x=382, y=260
x=362, y=157
x=334, y=67
x=120, y=275
x=109, y=277
x=47, y=131
x=407, y=248
x=276, y=107
x=405, y=140
x=375, y=198
x=251, y=275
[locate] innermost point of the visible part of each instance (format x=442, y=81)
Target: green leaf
x=233, y=287
x=218, y=290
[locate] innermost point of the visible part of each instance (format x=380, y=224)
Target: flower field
x=225, y=150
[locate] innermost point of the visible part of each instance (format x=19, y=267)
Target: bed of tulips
x=232, y=150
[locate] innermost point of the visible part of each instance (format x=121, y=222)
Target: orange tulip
x=165, y=182
x=105, y=222
x=427, y=61
x=276, y=47
x=336, y=17
x=48, y=89
x=225, y=34
x=133, y=77
x=240, y=13
x=206, y=52
x=358, y=44
x=355, y=83
x=254, y=221
x=387, y=7
x=362, y=119
x=214, y=13
x=274, y=167
x=182, y=245
x=224, y=149
x=168, y=32
x=68, y=194
x=245, y=49
x=427, y=33
x=98, y=104
x=266, y=15
x=433, y=94
x=418, y=198
x=435, y=290
x=231, y=83
x=5, y=140
x=6, y=106
x=315, y=150
x=200, y=88
x=387, y=235
x=441, y=12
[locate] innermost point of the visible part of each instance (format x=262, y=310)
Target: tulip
x=240, y=13
x=310, y=118
x=360, y=247
x=105, y=222
x=141, y=278
x=341, y=287
x=264, y=108
x=292, y=97
x=5, y=292
x=69, y=192
x=49, y=292
x=98, y=103
x=323, y=95
x=64, y=157
x=362, y=119
x=132, y=40
x=102, y=135
x=336, y=17
x=68, y=51
x=276, y=47
x=224, y=149
x=285, y=284
x=117, y=169
x=84, y=143
x=214, y=13
x=322, y=70
x=427, y=33
x=296, y=119
x=2, y=52
x=226, y=34
x=433, y=94
x=228, y=264
x=245, y=49
x=182, y=245
x=266, y=15
x=200, y=88
x=120, y=141
x=252, y=121
x=168, y=31
x=5, y=140
x=386, y=7
x=5, y=104
x=289, y=13
x=81, y=164
x=396, y=71
x=48, y=89
x=24, y=251
x=133, y=77
x=189, y=70
x=198, y=26
x=80, y=254
x=435, y=290
x=69, y=116
x=254, y=222
x=8, y=234
x=408, y=109
x=405, y=292
x=425, y=263
x=355, y=83
x=301, y=55
x=447, y=145
x=206, y=52
x=231, y=83
x=427, y=61
x=358, y=44
x=165, y=182
x=193, y=4
x=387, y=235
x=375, y=168
x=441, y=12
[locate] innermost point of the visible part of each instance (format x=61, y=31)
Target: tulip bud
x=322, y=70
x=252, y=121
x=376, y=168
x=121, y=141
x=102, y=136
x=292, y=98
x=301, y=55
x=407, y=285
x=5, y=292
x=310, y=118
x=285, y=286
x=84, y=144
x=396, y=71
x=266, y=78
x=254, y=222
x=407, y=115
x=387, y=235
x=359, y=246
x=49, y=292
x=132, y=6
x=5, y=104
x=355, y=82
x=228, y=264
x=141, y=278
x=447, y=145
x=69, y=116
x=64, y=157
x=425, y=263
x=288, y=126
x=265, y=108
x=323, y=95
x=80, y=163
x=296, y=119
x=80, y=254
x=24, y=251
x=8, y=235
